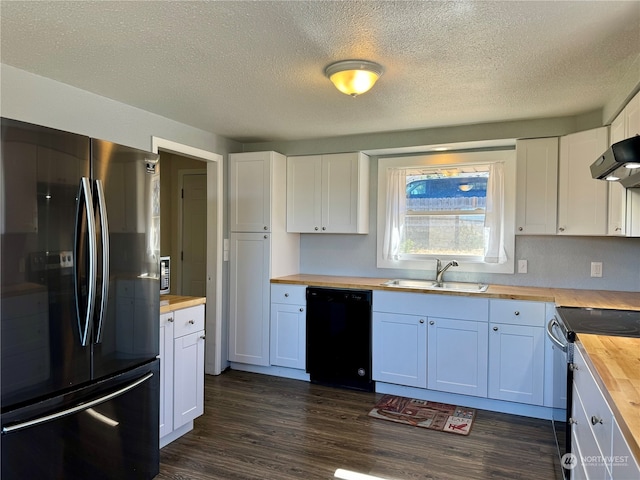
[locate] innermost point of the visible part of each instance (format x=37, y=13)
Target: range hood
x=621, y=163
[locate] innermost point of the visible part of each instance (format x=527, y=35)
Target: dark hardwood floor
x=262, y=427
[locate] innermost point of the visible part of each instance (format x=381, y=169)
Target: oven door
x=562, y=382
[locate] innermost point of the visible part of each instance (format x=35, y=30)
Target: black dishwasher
x=339, y=337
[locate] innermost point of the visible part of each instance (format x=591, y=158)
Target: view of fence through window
x=445, y=211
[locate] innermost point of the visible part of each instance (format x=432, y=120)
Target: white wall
x=42, y=101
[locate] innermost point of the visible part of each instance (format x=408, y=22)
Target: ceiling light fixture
x=354, y=77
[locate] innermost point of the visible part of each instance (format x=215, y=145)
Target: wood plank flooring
x=262, y=427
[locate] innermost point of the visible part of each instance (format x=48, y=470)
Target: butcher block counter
x=615, y=359
x=171, y=303
x=562, y=297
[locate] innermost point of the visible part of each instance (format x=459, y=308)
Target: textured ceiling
x=253, y=70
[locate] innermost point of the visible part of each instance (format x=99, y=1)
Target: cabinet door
x=250, y=191
x=623, y=464
x=537, y=186
x=632, y=116
x=288, y=335
x=400, y=349
x=188, y=395
x=516, y=363
x=166, y=373
x=304, y=197
x=617, y=193
x=249, y=298
x=345, y=196
x=624, y=204
x=457, y=356
x=582, y=200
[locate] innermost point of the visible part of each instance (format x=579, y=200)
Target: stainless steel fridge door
x=40, y=209
x=105, y=431
x=126, y=185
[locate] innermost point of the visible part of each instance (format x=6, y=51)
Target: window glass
x=445, y=211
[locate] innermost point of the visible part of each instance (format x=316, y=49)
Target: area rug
x=421, y=413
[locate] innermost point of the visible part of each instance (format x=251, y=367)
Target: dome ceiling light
x=354, y=77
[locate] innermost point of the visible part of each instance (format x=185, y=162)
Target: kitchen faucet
x=440, y=271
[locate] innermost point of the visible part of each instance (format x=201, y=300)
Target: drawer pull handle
x=431, y=322
x=495, y=329
x=170, y=319
x=301, y=309
x=191, y=322
x=595, y=420
x=202, y=337
x=286, y=294
x=516, y=313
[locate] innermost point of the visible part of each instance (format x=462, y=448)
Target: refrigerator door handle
x=84, y=192
x=77, y=408
x=104, y=229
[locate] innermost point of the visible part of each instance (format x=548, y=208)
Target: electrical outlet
x=596, y=269
x=522, y=266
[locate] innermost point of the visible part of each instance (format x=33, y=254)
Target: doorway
x=214, y=241
x=192, y=234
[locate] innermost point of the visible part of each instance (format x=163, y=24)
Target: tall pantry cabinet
x=260, y=248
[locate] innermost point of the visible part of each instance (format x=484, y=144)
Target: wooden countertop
x=170, y=303
x=563, y=297
x=616, y=360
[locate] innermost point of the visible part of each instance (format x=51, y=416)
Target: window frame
x=440, y=159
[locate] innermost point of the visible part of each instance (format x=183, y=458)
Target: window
x=448, y=206
x=445, y=211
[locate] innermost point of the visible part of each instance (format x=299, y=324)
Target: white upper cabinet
x=537, y=186
x=582, y=200
x=250, y=185
x=624, y=204
x=328, y=193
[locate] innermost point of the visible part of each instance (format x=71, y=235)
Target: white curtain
x=494, y=251
x=396, y=205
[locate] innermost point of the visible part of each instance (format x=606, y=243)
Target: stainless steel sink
x=410, y=283
x=467, y=287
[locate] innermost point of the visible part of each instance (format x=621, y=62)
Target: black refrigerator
x=79, y=288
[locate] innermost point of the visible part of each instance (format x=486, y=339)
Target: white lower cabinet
x=596, y=437
x=592, y=423
x=182, y=342
x=400, y=349
x=623, y=463
x=516, y=351
x=457, y=356
x=166, y=373
x=288, y=326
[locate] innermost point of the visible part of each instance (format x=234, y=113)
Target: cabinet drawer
x=517, y=312
x=597, y=413
x=188, y=320
x=590, y=453
x=289, y=294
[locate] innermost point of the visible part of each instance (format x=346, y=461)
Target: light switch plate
x=596, y=269
x=522, y=266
